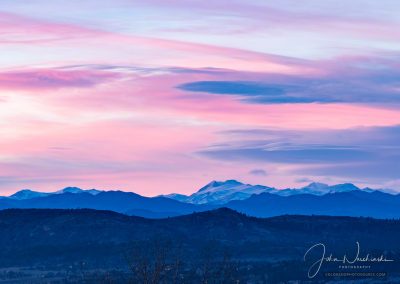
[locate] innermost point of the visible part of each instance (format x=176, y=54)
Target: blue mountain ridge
x=315, y=199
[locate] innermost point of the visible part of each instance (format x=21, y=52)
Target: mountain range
x=29, y=194
x=118, y=201
x=221, y=192
x=255, y=200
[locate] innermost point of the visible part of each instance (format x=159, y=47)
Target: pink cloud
x=115, y=153
x=34, y=79
x=123, y=133
x=19, y=30
x=326, y=17
x=159, y=96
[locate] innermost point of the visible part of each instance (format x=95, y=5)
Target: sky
x=164, y=96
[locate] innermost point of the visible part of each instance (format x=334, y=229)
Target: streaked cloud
x=258, y=172
x=366, y=80
x=366, y=152
x=53, y=79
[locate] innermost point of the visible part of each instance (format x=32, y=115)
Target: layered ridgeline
x=255, y=200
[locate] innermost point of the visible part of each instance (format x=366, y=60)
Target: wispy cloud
x=258, y=172
x=367, y=152
x=41, y=78
x=17, y=29
x=355, y=80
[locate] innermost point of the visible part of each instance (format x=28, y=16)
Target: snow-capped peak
x=322, y=188
x=220, y=192
x=71, y=189
x=316, y=186
x=217, y=184
x=27, y=194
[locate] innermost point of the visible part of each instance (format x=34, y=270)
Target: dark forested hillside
x=83, y=241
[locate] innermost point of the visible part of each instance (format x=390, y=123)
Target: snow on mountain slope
x=220, y=192
x=316, y=188
x=78, y=190
x=27, y=194
x=177, y=196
